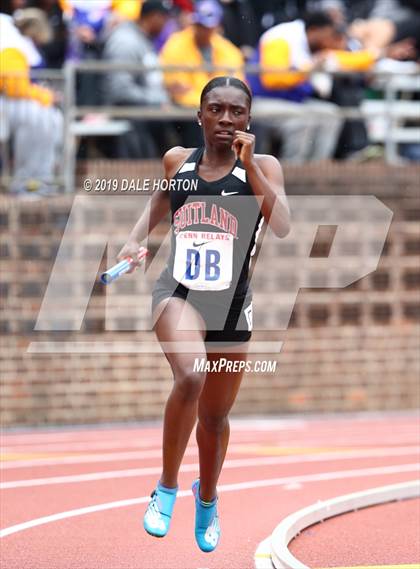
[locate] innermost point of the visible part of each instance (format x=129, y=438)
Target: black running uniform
x=215, y=226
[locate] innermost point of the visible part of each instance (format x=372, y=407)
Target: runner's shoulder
x=269, y=164
x=174, y=158
x=267, y=159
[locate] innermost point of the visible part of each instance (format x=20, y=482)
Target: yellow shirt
x=181, y=49
x=15, y=81
x=286, y=48
x=354, y=60
x=276, y=53
x=128, y=9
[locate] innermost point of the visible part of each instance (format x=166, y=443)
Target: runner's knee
x=213, y=422
x=189, y=384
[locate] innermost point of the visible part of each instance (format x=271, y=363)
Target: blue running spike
x=207, y=527
x=157, y=518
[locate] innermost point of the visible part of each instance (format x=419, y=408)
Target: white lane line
x=268, y=424
x=286, y=441
x=357, y=423
x=8, y=456
x=103, y=457
x=339, y=439
x=124, y=439
x=82, y=459
x=241, y=428
x=139, y=441
x=282, y=439
x=337, y=475
x=232, y=463
x=75, y=435
x=49, y=447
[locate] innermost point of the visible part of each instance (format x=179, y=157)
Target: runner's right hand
x=130, y=249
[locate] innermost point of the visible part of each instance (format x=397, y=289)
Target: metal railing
x=389, y=83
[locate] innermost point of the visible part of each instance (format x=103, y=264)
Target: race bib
x=203, y=260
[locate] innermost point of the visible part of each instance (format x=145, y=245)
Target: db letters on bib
x=203, y=260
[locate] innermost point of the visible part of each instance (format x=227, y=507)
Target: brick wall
x=345, y=349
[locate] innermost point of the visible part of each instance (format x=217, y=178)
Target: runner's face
x=224, y=110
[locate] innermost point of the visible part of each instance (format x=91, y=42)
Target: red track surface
x=291, y=464
x=385, y=534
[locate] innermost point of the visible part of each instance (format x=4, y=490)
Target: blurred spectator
x=272, y=12
x=302, y=47
x=339, y=10
x=33, y=25
x=199, y=44
x=184, y=5
x=180, y=18
x=299, y=48
x=389, y=22
x=395, y=10
x=10, y=6
x=28, y=112
x=358, y=9
x=127, y=9
x=131, y=42
x=239, y=25
x=53, y=51
x=336, y=9
x=349, y=90
x=86, y=22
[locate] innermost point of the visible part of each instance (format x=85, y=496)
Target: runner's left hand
x=243, y=145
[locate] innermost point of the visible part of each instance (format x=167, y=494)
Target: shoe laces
x=153, y=505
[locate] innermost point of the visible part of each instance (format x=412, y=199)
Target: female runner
x=202, y=298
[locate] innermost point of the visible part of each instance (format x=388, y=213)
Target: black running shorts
x=228, y=321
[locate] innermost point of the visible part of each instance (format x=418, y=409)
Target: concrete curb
x=281, y=558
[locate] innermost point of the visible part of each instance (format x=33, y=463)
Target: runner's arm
x=156, y=209
x=266, y=178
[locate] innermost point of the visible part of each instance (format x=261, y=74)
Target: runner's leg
x=181, y=407
x=216, y=400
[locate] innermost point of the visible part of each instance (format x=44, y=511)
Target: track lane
x=19, y=504
x=114, y=539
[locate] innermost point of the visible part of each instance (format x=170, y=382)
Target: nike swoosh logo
x=199, y=244
x=228, y=193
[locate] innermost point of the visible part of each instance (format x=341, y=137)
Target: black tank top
x=215, y=227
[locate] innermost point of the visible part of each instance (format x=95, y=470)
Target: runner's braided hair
x=225, y=81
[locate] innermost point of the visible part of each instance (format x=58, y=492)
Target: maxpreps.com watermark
x=128, y=185
x=225, y=365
